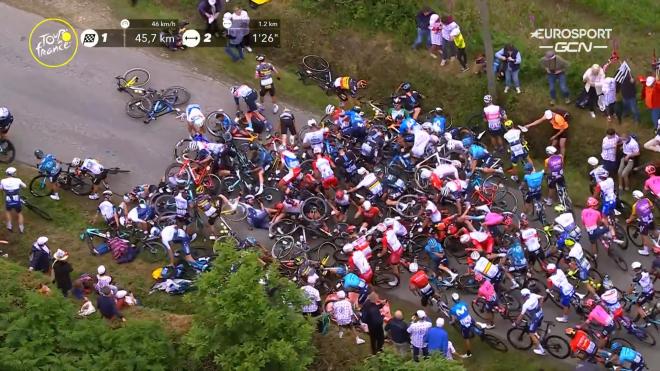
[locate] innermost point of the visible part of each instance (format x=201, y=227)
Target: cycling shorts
x=96, y=179
x=646, y=228
x=532, y=196
x=53, y=178
x=330, y=182
x=553, y=182
x=519, y=158
x=562, y=135
x=536, y=255
x=496, y=132
x=395, y=257
x=251, y=101
x=466, y=331
x=270, y=89
x=597, y=233
x=565, y=300
x=608, y=208
x=534, y=324
x=291, y=175
x=18, y=207
x=645, y=298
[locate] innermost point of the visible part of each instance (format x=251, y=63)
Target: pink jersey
x=487, y=291
x=653, y=183
x=590, y=218
x=600, y=316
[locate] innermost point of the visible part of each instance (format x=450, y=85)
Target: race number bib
x=267, y=83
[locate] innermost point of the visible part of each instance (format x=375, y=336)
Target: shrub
x=387, y=361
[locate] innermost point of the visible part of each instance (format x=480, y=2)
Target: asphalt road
x=76, y=111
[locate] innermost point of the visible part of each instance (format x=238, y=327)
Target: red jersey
x=582, y=343
x=419, y=280
x=371, y=214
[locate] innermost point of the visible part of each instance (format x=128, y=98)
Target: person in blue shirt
x=517, y=262
x=355, y=126
x=437, y=337
x=51, y=168
x=406, y=129
x=479, y=156
x=621, y=355
x=436, y=253
x=257, y=217
x=351, y=282
x=262, y=159
x=533, y=180
x=459, y=312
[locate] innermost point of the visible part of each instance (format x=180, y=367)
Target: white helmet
x=366, y=205
x=101, y=269
x=427, y=125
x=198, y=122
x=11, y=171
x=455, y=296
x=329, y=109
x=389, y=222
x=592, y=161
x=193, y=146
x=75, y=161
x=347, y=248
x=42, y=240
x=637, y=194
x=425, y=174
x=4, y=112
x=636, y=265
x=488, y=99
x=311, y=122
x=550, y=150
x=362, y=171
x=547, y=114
x=525, y=292
x=465, y=238
x=474, y=255
x=551, y=267
x=413, y=267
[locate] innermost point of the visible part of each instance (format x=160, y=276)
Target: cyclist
x=488, y=293
x=432, y=215
x=517, y=146
x=392, y=244
x=346, y=86
x=642, y=211
x=530, y=238
x=249, y=96
x=323, y=166
x=532, y=307
x=347, y=160
x=340, y=205
x=438, y=256
x=476, y=240
x=397, y=113
x=533, y=181
x=494, y=115
x=51, y=168
x=231, y=126
x=652, y=183
x=610, y=298
x=422, y=139
x=622, y=355
x=557, y=280
x=370, y=215
x=371, y=146
x=605, y=188
x=395, y=187
x=438, y=121
x=479, y=156
x=195, y=118
x=264, y=73
x=601, y=317
x=142, y=215
x=6, y=120
x=12, y=185
x=485, y=267
x=176, y=233
x=215, y=154
x=579, y=265
x=419, y=284
x=554, y=166
x=288, y=124
x=596, y=169
x=412, y=100
x=642, y=278
x=359, y=261
x=581, y=345
x=370, y=182
x=181, y=199
x=262, y=160
x=95, y=170
x=257, y=216
x=595, y=224
x=441, y=172
x=289, y=206
x=290, y=161
x=516, y=262
x=107, y=210
x=352, y=283
x=459, y=312
x=559, y=124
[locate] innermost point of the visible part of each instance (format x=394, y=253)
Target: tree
x=248, y=318
x=387, y=361
x=484, y=15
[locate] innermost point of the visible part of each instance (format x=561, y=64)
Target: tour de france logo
x=53, y=42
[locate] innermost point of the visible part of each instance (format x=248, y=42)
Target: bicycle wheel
x=455, y=247
x=282, y=247
x=479, y=308
x=80, y=185
x=557, y=346
x=221, y=241
x=467, y=283
x=519, y=338
x=512, y=304
x=164, y=205
x=283, y=227
x=137, y=108
x=181, y=149
x=137, y=76
x=270, y=196
x=215, y=123
x=38, y=186
x=385, y=280
x=7, y=151
x=618, y=259
x=212, y=184
x=325, y=249
x=315, y=63
x=236, y=214
x=182, y=95
x=408, y=206
x=644, y=336
x=622, y=235
x=176, y=172
x=634, y=235
x=495, y=343
x=564, y=199
x=42, y=213
x=153, y=252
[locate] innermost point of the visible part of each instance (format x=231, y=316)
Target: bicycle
x=7, y=151
x=508, y=306
x=557, y=346
x=608, y=245
x=638, y=332
x=563, y=197
x=37, y=210
x=493, y=341
x=635, y=235
x=286, y=244
x=317, y=69
x=133, y=80
x=161, y=103
x=68, y=179
x=136, y=238
x=193, y=174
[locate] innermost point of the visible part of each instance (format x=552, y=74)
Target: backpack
x=118, y=246
x=563, y=113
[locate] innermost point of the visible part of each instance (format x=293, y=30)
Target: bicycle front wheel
x=38, y=186
x=137, y=77
x=495, y=343
x=182, y=96
x=7, y=151
x=176, y=172
x=557, y=346
x=236, y=214
x=282, y=247
x=215, y=123
x=315, y=63
x=634, y=235
x=519, y=338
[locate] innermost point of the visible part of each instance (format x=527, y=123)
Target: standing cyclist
x=264, y=73
x=50, y=167
x=12, y=188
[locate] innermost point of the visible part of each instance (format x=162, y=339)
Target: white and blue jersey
x=49, y=165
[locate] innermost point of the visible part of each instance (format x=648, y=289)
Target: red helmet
x=650, y=170
x=592, y=202
x=339, y=193
x=279, y=206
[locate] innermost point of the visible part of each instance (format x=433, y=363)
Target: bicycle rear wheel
x=179, y=92
x=38, y=186
x=236, y=215
x=618, y=259
x=212, y=184
x=80, y=185
x=137, y=108
x=645, y=337
x=519, y=338
x=622, y=235
x=282, y=247
x=315, y=63
x=557, y=346
x=479, y=308
x=153, y=252
x=634, y=235
x=176, y=172
x=7, y=151
x=137, y=76
x=495, y=343
x=164, y=205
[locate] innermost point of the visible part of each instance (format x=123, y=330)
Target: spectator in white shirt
x=342, y=312
x=593, y=79
x=418, y=330
x=629, y=160
x=313, y=296
x=608, y=151
x=242, y=19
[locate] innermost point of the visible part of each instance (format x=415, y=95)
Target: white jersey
x=10, y=185
x=456, y=185
x=531, y=304
x=107, y=210
x=512, y=137
x=421, y=140
x=214, y=148
x=445, y=170
x=611, y=299
x=607, y=188
x=361, y=262
x=194, y=113
x=392, y=240
x=372, y=183
x=435, y=216
x=169, y=233
x=92, y=166
x=242, y=91
x=314, y=138
x=181, y=204
x=399, y=229
x=560, y=281
x=323, y=166
x=486, y=268
x=578, y=254
x=530, y=238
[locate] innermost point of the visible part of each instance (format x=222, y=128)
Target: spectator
x=651, y=97
x=609, y=96
x=423, y=33
x=62, y=271
x=438, y=338
x=372, y=317
x=448, y=46
x=313, y=296
x=210, y=13
x=241, y=18
x=654, y=143
x=103, y=279
x=629, y=161
x=511, y=56
x=628, y=89
x=235, y=36
x=593, y=82
x=40, y=256
x=608, y=151
x=342, y=312
x=555, y=69
x=418, y=331
x=107, y=305
x=397, y=330
x=435, y=27
x=461, y=55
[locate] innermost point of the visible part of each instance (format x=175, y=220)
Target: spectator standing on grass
x=555, y=68
x=40, y=256
x=210, y=11
x=437, y=337
x=461, y=55
x=107, y=305
x=448, y=46
x=651, y=97
x=511, y=56
x=423, y=33
x=435, y=29
x=418, y=331
x=235, y=36
x=374, y=320
x=609, y=151
x=593, y=79
x=62, y=272
x=342, y=312
x=609, y=95
x=629, y=160
x=397, y=330
x=242, y=20
x=11, y=186
x=628, y=89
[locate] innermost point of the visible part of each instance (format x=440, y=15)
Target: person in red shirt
x=651, y=97
x=369, y=215
x=419, y=284
x=323, y=166
x=392, y=244
x=581, y=345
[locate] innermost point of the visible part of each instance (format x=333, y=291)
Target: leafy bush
x=242, y=324
x=387, y=361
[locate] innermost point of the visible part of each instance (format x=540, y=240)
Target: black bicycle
x=557, y=346
x=36, y=209
x=317, y=69
x=150, y=108
x=70, y=179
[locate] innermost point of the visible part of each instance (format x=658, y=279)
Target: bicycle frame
x=160, y=107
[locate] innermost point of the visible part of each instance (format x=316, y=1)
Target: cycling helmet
x=11, y=171
x=427, y=125
x=615, y=346
x=356, y=109
x=551, y=267
x=592, y=161
x=312, y=122
x=366, y=205
x=636, y=265
x=592, y=202
x=406, y=86
x=570, y=332
x=396, y=100
x=637, y=194
x=438, y=110
x=528, y=167
x=569, y=242
x=339, y=193
x=329, y=109
x=107, y=192
x=233, y=89
x=279, y=206
x=550, y=150
x=467, y=141
x=455, y=296
x=260, y=58
x=478, y=277
x=38, y=154
x=362, y=171
x=4, y=112
x=347, y=248
x=508, y=124
x=547, y=114
x=525, y=292
x=193, y=146
x=413, y=267
x=488, y=99
x=76, y=161
x=474, y=255
x=254, y=146
x=425, y=173
x=389, y=222
x=649, y=170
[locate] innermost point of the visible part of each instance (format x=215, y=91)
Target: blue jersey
x=630, y=355
x=49, y=165
x=534, y=181
x=263, y=158
x=516, y=255
x=478, y=152
x=433, y=246
x=462, y=314
x=352, y=281
x=439, y=122
x=355, y=119
x=407, y=125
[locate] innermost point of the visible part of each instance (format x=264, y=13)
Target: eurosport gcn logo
x=569, y=40
x=53, y=42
